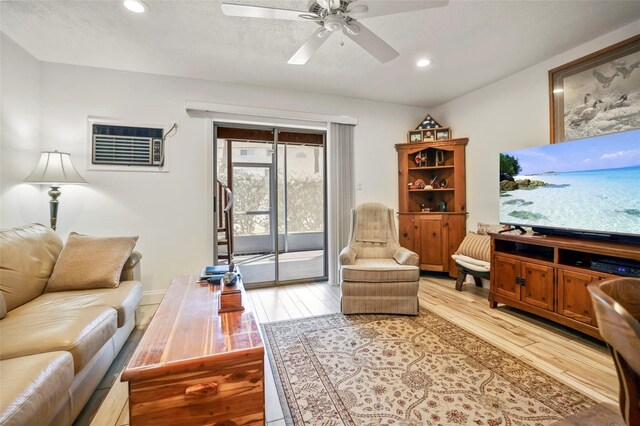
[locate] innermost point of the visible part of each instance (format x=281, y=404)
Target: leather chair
x=617, y=307
x=377, y=275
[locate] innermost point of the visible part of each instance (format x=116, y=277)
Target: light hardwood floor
x=577, y=360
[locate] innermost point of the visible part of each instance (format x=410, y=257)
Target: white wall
x=169, y=211
x=20, y=76
x=509, y=114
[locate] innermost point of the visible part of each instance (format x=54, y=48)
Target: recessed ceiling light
x=136, y=6
x=423, y=63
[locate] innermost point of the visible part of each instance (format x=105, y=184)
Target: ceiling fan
x=337, y=15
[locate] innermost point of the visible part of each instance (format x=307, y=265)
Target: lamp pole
x=54, y=193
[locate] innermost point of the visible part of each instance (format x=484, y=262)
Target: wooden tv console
x=548, y=276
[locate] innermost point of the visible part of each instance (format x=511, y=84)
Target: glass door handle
x=256, y=212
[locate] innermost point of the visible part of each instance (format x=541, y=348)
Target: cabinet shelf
x=432, y=167
x=432, y=190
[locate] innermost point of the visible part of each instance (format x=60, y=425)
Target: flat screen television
x=588, y=187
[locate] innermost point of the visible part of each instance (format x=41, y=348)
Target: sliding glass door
x=278, y=217
x=301, y=211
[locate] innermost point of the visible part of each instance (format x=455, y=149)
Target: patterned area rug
x=394, y=370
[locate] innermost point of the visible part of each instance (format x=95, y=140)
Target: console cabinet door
x=573, y=297
x=431, y=243
x=537, y=285
x=504, y=282
x=407, y=232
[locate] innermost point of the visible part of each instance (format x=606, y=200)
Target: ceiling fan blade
x=311, y=17
x=309, y=47
x=381, y=8
x=329, y=4
x=372, y=43
x=246, y=11
x=352, y=28
x=358, y=10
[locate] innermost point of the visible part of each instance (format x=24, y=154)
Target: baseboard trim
x=152, y=297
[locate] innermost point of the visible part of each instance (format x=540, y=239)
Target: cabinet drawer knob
x=406, y=234
x=202, y=389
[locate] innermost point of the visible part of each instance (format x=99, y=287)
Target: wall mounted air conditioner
x=119, y=145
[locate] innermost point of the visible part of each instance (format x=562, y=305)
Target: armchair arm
x=131, y=270
x=406, y=257
x=347, y=256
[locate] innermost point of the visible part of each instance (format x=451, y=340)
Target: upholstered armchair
x=377, y=275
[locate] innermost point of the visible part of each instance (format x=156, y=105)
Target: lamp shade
x=55, y=168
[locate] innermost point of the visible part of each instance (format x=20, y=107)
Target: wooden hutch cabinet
x=432, y=220
x=548, y=276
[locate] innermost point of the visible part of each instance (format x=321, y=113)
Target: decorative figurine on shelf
x=421, y=159
x=439, y=157
x=230, y=278
x=443, y=183
x=420, y=184
x=434, y=181
x=424, y=208
x=442, y=206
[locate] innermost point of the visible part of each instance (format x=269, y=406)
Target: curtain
x=341, y=197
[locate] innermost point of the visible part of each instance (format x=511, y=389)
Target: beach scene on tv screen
x=589, y=184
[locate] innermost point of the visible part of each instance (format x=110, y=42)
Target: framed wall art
x=596, y=94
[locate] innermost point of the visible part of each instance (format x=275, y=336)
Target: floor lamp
x=54, y=169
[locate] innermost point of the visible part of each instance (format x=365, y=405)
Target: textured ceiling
x=470, y=43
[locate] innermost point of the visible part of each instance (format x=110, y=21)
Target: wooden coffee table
x=195, y=366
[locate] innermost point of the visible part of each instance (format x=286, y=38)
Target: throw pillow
x=476, y=246
x=89, y=262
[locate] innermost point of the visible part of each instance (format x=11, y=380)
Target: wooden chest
x=194, y=366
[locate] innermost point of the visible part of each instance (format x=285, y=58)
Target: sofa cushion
x=33, y=387
x=27, y=257
x=124, y=299
x=379, y=270
x=81, y=331
x=89, y=262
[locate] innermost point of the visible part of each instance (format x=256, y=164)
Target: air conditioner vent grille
x=129, y=146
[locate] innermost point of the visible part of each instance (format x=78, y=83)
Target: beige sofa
x=377, y=275
x=55, y=347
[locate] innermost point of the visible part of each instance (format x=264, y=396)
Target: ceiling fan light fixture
x=333, y=23
x=423, y=63
x=135, y=6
